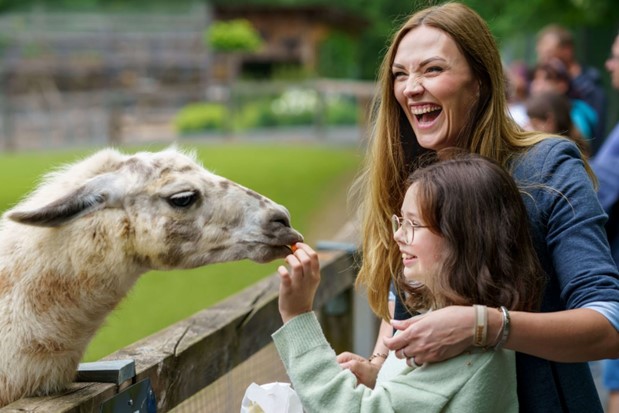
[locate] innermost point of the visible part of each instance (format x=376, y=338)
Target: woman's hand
x=436, y=336
x=298, y=285
x=365, y=371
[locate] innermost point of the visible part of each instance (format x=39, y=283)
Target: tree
x=233, y=36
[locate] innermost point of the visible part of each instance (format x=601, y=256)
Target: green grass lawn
x=301, y=177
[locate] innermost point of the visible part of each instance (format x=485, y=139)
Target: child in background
x=552, y=76
x=463, y=233
x=550, y=112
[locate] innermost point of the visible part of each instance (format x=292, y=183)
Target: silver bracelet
x=505, y=328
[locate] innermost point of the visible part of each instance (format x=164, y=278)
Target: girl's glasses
x=408, y=228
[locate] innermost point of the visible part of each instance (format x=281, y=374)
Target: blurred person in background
x=556, y=42
x=550, y=112
x=606, y=167
x=552, y=76
x=517, y=88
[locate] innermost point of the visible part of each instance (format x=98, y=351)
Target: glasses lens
x=407, y=229
x=395, y=223
x=406, y=225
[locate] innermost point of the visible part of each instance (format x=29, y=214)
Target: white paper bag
x=271, y=398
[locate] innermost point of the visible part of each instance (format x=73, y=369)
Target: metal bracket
x=108, y=371
x=336, y=246
x=138, y=398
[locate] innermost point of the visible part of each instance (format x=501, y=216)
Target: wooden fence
x=192, y=354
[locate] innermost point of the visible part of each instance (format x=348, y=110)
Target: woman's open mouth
x=426, y=114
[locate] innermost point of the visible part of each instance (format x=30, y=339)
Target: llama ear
x=96, y=194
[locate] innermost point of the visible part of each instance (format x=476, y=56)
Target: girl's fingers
x=308, y=258
x=284, y=276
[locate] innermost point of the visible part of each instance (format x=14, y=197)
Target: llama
x=71, y=251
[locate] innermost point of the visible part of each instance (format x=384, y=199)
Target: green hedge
x=198, y=117
x=295, y=107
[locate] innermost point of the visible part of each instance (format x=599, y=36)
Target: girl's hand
x=298, y=284
x=435, y=336
x=365, y=371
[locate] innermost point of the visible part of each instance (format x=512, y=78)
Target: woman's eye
x=183, y=199
x=434, y=69
x=398, y=74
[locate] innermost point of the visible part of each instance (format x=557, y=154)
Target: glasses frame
x=407, y=227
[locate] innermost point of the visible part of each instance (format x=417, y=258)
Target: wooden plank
x=191, y=354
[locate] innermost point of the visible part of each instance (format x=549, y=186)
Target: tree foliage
x=233, y=36
x=598, y=20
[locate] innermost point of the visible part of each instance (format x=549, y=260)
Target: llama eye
x=182, y=199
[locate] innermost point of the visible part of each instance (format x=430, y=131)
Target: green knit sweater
x=477, y=381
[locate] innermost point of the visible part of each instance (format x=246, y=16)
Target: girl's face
x=434, y=85
x=422, y=257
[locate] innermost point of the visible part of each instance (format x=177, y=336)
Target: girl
x=462, y=233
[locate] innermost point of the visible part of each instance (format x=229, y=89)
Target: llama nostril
x=283, y=222
x=280, y=218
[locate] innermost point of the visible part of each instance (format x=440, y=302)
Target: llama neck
x=62, y=288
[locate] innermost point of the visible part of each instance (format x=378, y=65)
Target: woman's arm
x=566, y=336
x=567, y=225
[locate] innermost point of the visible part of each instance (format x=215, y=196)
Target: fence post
x=337, y=321
x=5, y=112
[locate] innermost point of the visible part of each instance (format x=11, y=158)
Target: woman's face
x=422, y=257
x=434, y=85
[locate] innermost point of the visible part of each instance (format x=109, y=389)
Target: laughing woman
x=442, y=85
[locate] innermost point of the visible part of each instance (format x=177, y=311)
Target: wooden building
x=292, y=35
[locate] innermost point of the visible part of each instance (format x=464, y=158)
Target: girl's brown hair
x=489, y=259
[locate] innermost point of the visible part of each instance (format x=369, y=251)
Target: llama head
x=161, y=209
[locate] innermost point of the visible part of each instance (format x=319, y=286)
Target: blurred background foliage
x=233, y=36
x=344, y=57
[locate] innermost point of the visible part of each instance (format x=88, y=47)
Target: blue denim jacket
x=567, y=226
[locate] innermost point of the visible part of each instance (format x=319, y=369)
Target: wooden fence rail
x=186, y=357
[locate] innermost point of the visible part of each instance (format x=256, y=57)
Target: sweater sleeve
x=323, y=386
